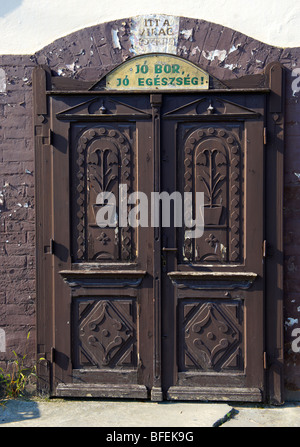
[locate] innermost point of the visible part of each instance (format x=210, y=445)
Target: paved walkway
x=109, y=413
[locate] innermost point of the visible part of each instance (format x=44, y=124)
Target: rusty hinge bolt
x=49, y=249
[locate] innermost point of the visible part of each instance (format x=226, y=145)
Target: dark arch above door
x=90, y=53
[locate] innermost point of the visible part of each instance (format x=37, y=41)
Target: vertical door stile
x=156, y=393
x=62, y=367
x=44, y=211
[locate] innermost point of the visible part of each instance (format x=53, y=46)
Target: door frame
x=271, y=83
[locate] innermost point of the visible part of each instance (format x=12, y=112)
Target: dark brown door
x=213, y=286
x=103, y=288
x=149, y=312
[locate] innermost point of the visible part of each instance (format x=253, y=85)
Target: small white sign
x=154, y=33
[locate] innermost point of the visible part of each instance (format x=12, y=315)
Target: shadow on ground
x=18, y=410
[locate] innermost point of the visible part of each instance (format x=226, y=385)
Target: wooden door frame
x=271, y=82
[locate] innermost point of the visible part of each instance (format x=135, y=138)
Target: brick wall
x=17, y=228
x=88, y=54
x=292, y=232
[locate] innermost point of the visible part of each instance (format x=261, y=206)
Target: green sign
x=157, y=72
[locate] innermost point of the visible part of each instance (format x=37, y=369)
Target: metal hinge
x=49, y=249
x=50, y=137
x=265, y=135
x=52, y=355
x=264, y=249
x=265, y=360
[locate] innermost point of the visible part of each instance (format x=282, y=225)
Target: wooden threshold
x=105, y=391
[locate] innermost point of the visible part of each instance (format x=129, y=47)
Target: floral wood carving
x=212, y=165
x=104, y=161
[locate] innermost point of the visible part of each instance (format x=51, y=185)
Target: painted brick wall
x=17, y=227
x=88, y=54
x=292, y=231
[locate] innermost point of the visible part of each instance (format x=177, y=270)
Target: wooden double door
x=150, y=311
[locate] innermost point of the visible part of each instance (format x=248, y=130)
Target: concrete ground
x=114, y=413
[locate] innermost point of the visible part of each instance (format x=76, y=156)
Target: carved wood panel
x=103, y=159
x=211, y=335
x=105, y=333
x=212, y=162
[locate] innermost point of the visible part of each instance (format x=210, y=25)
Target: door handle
x=169, y=249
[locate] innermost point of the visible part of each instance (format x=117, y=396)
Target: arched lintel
x=265, y=80
x=155, y=71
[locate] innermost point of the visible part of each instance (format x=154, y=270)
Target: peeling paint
x=184, y=50
x=231, y=66
x=187, y=33
x=115, y=39
x=71, y=67
x=219, y=54
x=194, y=50
x=234, y=48
x=291, y=321
x=2, y=81
x=2, y=340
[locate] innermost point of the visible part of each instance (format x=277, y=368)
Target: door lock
x=169, y=249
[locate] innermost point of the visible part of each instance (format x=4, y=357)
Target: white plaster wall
x=28, y=25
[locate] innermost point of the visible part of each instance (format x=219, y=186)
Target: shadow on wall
x=7, y=7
